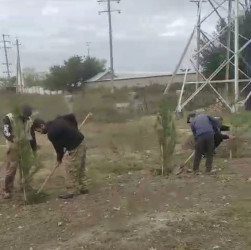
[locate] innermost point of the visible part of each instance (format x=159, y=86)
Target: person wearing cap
x=204, y=127
x=12, y=122
x=202, y=144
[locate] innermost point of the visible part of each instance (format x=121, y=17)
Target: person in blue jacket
x=204, y=128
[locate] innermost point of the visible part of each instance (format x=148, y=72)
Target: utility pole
x=109, y=11
x=236, y=56
x=19, y=80
x=88, y=49
x=5, y=42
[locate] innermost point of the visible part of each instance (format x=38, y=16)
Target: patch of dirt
x=242, y=166
x=137, y=211
x=128, y=209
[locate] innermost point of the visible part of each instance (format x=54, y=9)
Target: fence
x=41, y=91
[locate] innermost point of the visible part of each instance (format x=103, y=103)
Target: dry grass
x=48, y=106
x=126, y=200
x=118, y=142
x=116, y=149
x=102, y=103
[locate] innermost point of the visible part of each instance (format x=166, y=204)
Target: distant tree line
x=75, y=69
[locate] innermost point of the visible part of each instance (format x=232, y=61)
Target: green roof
x=98, y=76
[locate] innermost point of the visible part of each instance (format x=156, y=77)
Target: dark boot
x=66, y=196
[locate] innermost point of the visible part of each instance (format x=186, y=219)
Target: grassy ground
x=128, y=206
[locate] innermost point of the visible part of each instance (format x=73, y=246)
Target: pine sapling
x=28, y=163
x=166, y=130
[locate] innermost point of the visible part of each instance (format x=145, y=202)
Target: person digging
x=204, y=128
x=70, y=147
x=11, y=124
x=219, y=137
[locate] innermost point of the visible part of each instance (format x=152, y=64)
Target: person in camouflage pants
x=70, y=147
x=74, y=163
x=17, y=127
x=10, y=165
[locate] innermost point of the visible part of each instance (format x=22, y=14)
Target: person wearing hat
x=207, y=134
x=204, y=127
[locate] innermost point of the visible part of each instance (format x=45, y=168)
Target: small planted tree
x=28, y=163
x=166, y=131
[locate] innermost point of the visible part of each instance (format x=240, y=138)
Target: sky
x=148, y=36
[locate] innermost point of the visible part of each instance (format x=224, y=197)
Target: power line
x=109, y=11
x=5, y=42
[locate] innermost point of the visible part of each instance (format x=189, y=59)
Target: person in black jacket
x=10, y=123
x=69, y=145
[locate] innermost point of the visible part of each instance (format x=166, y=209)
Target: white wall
x=142, y=81
x=41, y=91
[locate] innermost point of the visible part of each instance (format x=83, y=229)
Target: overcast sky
x=149, y=35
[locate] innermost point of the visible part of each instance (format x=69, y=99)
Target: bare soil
x=138, y=211
x=130, y=208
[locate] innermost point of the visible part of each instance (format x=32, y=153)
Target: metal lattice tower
x=234, y=9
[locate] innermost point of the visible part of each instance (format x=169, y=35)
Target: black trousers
x=204, y=145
